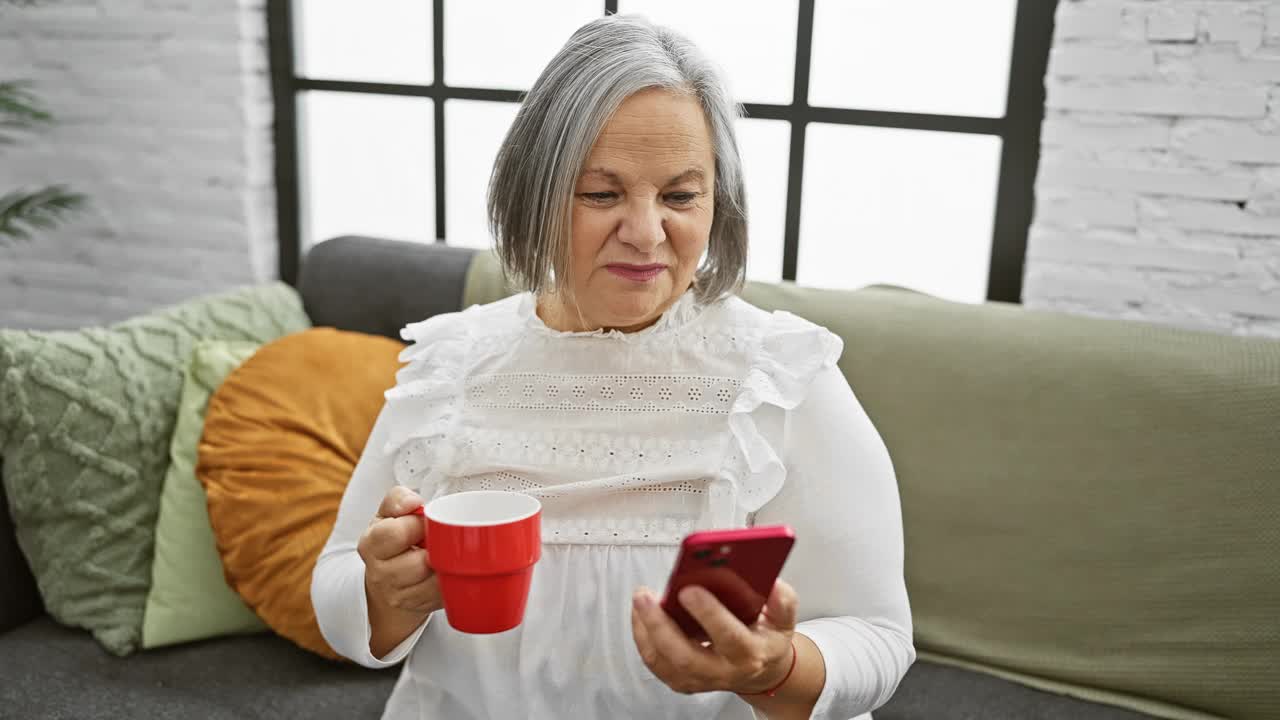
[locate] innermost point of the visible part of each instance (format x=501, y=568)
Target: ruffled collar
x=682, y=312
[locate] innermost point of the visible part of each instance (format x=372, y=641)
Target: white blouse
x=719, y=415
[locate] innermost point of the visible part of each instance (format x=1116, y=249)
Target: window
x=885, y=141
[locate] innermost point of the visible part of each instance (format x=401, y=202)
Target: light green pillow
x=85, y=421
x=190, y=598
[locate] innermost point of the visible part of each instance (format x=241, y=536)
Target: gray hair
x=532, y=187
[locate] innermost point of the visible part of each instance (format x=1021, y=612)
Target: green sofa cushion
x=85, y=421
x=1089, y=506
x=189, y=597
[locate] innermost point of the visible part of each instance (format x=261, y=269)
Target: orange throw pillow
x=282, y=435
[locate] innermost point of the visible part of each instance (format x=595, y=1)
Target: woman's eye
x=681, y=198
x=600, y=196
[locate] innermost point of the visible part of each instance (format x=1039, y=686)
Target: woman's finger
x=644, y=646
x=690, y=663
x=781, y=608
x=420, y=597
x=406, y=569
x=399, y=501
x=390, y=537
x=729, y=637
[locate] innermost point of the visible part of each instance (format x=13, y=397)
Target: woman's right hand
x=399, y=584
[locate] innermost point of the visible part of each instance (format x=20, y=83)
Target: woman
x=638, y=399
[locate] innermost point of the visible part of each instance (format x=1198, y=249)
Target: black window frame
x=1019, y=131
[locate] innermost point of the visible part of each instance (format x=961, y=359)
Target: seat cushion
x=54, y=673
x=940, y=692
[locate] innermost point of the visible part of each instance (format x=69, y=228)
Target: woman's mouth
x=636, y=273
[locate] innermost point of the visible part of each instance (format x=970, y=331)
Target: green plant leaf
x=19, y=109
x=22, y=211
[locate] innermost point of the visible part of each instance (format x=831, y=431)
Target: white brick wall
x=164, y=110
x=1158, y=195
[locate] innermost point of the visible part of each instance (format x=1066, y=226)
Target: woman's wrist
x=389, y=625
x=796, y=697
x=778, y=674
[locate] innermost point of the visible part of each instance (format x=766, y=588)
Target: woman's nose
x=642, y=227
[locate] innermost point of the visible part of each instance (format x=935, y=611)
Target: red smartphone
x=737, y=566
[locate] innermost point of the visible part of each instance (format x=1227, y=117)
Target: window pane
x=765, y=147
x=925, y=56
x=473, y=132
x=352, y=41
x=753, y=41
x=366, y=166
x=506, y=43
x=904, y=207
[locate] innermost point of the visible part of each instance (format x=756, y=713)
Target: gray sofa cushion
x=378, y=286
x=19, y=599
x=48, y=671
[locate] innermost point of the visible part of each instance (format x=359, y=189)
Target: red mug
x=483, y=545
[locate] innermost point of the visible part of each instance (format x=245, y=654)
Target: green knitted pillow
x=85, y=422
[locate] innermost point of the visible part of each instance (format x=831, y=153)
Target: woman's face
x=642, y=213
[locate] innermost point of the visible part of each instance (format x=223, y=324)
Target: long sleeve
x=337, y=584
x=841, y=497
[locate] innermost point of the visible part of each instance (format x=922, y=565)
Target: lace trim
x=512, y=482
x=561, y=524
x=604, y=393
x=630, y=531
x=596, y=451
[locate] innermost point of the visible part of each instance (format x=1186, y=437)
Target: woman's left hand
x=739, y=659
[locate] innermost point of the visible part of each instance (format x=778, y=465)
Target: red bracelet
x=774, y=690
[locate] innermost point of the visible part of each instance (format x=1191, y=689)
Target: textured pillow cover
x=190, y=598
x=282, y=436
x=85, y=420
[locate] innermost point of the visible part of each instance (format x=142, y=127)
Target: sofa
x=1015, y=434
